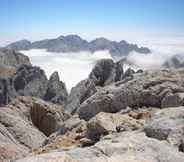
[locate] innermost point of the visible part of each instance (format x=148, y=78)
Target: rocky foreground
x=112, y=116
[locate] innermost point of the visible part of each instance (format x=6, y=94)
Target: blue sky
x=37, y=19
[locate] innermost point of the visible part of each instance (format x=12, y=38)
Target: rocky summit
x=114, y=115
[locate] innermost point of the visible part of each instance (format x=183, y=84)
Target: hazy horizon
x=131, y=20
x=158, y=25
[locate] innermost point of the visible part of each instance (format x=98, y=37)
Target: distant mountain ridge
x=74, y=43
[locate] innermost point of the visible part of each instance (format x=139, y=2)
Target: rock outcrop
x=25, y=124
x=144, y=89
x=79, y=94
x=27, y=80
x=167, y=124
x=47, y=117
x=30, y=81
x=56, y=90
x=106, y=72
x=10, y=57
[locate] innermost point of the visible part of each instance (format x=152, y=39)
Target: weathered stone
x=7, y=91
x=107, y=123
x=145, y=89
x=30, y=81
x=47, y=117
x=16, y=121
x=10, y=57
x=79, y=94
x=101, y=71
x=10, y=148
x=71, y=124
x=167, y=124
x=172, y=100
x=126, y=147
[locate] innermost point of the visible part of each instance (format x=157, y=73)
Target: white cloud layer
x=72, y=67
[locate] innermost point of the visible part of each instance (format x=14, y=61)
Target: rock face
x=106, y=72
x=56, y=91
x=30, y=81
x=7, y=91
x=17, y=120
x=144, y=89
x=130, y=146
x=73, y=43
x=80, y=93
x=47, y=117
x=101, y=71
x=24, y=125
x=167, y=124
x=11, y=58
x=27, y=80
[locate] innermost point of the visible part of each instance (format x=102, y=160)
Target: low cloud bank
x=154, y=60
x=162, y=51
x=72, y=67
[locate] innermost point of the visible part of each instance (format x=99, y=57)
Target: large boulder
x=144, y=89
x=126, y=147
x=47, y=117
x=167, y=124
x=56, y=91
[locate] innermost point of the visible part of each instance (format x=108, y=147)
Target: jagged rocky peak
x=54, y=77
x=56, y=91
x=10, y=57
x=19, y=77
x=74, y=43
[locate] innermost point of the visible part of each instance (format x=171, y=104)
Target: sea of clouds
x=74, y=67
